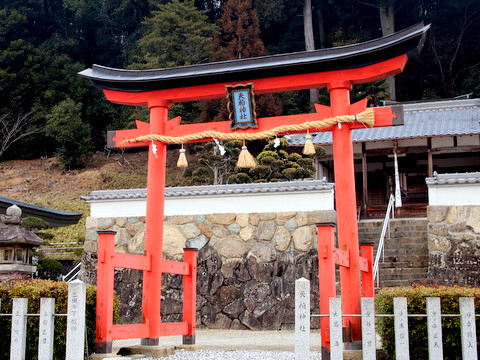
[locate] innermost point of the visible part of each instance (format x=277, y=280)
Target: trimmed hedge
x=33, y=290
x=417, y=326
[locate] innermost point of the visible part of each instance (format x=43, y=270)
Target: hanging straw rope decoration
x=245, y=159
x=308, y=148
x=182, y=159
x=366, y=117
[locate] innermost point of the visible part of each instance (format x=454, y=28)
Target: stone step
x=402, y=271
x=403, y=264
x=413, y=250
x=407, y=277
x=403, y=283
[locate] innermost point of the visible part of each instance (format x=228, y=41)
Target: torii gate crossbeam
x=336, y=69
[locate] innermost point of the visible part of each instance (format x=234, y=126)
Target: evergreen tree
x=176, y=34
x=66, y=127
x=239, y=38
x=276, y=164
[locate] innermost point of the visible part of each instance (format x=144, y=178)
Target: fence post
x=76, y=320
x=369, y=347
x=401, y=328
x=302, y=319
x=336, y=329
x=105, y=284
x=434, y=324
x=190, y=295
x=467, y=323
x=19, y=329
x=46, y=326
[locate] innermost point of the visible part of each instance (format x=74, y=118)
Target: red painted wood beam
x=129, y=261
x=368, y=288
x=129, y=331
x=175, y=267
x=358, y=75
x=341, y=257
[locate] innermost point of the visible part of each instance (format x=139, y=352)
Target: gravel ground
x=233, y=355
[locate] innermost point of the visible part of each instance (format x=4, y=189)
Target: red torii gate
x=337, y=69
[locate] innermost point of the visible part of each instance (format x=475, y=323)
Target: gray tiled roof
x=431, y=119
x=302, y=185
x=450, y=179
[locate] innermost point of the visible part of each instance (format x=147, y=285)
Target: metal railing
x=381, y=243
x=72, y=274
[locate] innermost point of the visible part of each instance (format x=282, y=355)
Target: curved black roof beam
x=409, y=41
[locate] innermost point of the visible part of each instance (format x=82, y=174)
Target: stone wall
x=454, y=245
x=247, y=265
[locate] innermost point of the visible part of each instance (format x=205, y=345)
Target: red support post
x=190, y=296
x=345, y=201
x=368, y=289
x=152, y=280
x=326, y=277
x=105, y=278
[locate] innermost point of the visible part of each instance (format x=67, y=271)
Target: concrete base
x=147, y=351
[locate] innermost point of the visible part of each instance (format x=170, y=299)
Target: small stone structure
x=15, y=246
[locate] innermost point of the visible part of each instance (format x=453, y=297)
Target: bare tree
x=386, y=10
x=15, y=126
x=309, y=42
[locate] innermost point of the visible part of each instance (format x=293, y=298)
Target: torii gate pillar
x=157, y=159
x=345, y=200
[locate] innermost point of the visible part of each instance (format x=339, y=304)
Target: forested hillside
x=46, y=109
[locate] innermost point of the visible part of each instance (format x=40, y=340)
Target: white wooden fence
x=75, y=325
x=369, y=338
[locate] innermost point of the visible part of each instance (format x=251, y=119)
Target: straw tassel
x=245, y=159
x=182, y=159
x=366, y=117
x=308, y=149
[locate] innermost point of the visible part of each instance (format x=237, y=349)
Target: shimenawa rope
x=366, y=117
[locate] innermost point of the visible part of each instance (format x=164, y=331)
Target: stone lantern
x=15, y=246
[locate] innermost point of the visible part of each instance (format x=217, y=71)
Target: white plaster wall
x=469, y=140
x=440, y=142
x=461, y=194
x=232, y=203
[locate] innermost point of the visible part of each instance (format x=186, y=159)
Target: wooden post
x=365, y=180
x=468, y=328
x=345, y=201
x=434, y=328
x=18, y=344
x=401, y=328
x=336, y=329
x=77, y=291
x=152, y=280
x=46, y=326
x=368, y=287
x=369, y=348
x=302, y=319
x=105, y=277
x=190, y=295
x=326, y=278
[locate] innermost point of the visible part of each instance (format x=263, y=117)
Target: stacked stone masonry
x=454, y=244
x=247, y=265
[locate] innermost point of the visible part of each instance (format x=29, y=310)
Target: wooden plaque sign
x=241, y=106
